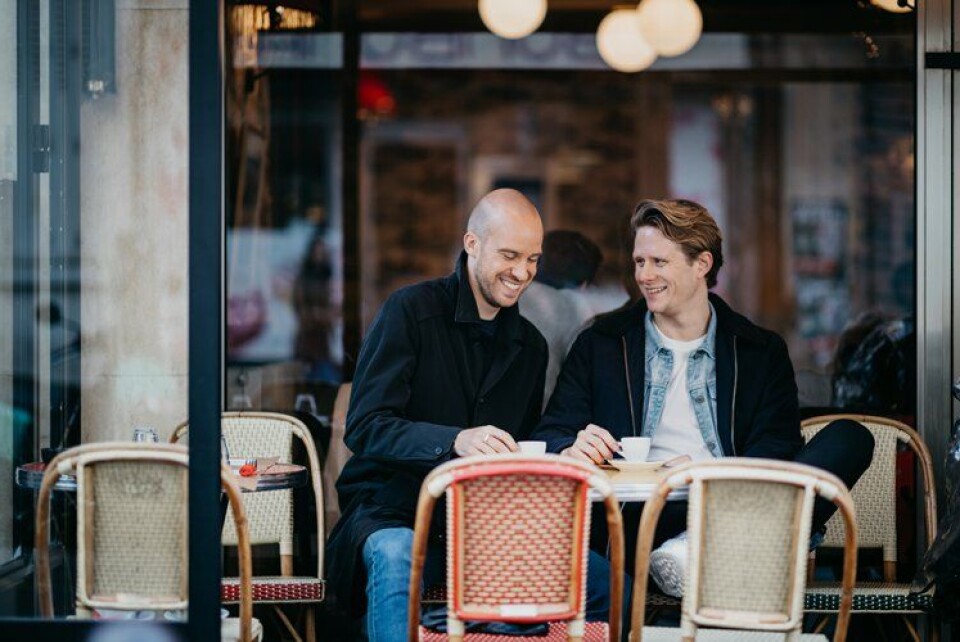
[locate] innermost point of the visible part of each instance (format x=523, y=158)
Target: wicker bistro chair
x=748, y=531
x=875, y=499
x=132, y=532
x=517, y=546
x=270, y=514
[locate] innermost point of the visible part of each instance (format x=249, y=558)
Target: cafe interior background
x=357, y=136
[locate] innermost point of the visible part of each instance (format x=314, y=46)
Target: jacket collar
x=508, y=319
x=632, y=316
x=654, y=343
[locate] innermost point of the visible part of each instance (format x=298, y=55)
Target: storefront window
x=93, y=256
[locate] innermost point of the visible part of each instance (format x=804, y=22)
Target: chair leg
x=822, y=624
x=310, y=624
x=286, y=623
x=911, y=629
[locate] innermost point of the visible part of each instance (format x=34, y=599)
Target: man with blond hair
x=448, y=369
x=683, y=368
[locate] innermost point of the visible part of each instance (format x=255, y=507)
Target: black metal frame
x=64, y=233
x=25, y=235
x=205, y=290
x=350, y=187
x=205, y=313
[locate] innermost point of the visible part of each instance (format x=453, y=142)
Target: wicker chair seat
x=868, y=597
x=557, y=632
x=665, y=634
x=230, y=630
x=279, y=590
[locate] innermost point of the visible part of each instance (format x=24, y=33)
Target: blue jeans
x=386, y=556
x=598, y=592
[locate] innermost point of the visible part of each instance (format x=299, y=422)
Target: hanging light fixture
x=895, y=6
x=620, y=42
x=672, y=27
x=512, y=18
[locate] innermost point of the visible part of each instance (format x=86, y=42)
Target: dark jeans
x=844, y=448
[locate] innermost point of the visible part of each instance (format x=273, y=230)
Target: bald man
x=449, y=368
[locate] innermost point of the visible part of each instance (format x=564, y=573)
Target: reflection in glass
x=93, y=247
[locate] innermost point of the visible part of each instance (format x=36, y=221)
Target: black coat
x=413, y=392
x=757, y=408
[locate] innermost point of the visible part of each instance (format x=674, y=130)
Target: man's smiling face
x=671, y=283
x=506, y=261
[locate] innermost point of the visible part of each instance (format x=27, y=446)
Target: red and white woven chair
x=517, y=546
x=270, y=514
x=132, y=532
x=748, y=531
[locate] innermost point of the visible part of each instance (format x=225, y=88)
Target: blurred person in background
x=554, y=302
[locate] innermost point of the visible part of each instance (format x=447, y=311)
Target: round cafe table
x=30, y=476
x=639, y=492
x=630, y=487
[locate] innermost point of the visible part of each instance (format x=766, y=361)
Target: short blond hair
x=687, y=224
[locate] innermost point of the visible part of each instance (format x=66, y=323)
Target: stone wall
x=134, y=229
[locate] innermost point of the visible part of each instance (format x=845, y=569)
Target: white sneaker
x=668, y=565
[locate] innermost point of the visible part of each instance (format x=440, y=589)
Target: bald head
x=503, y=243
x=500, y=207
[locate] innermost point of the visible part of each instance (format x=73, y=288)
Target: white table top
x=639, y=492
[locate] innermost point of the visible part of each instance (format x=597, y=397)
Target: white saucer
x=635, y=466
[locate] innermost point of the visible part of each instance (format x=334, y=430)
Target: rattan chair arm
x=648, y=526
x=421, y=531
x=316, y=483
x=178, y=432
x=929, y=484
x=41, y=542
x=615, y=528
x=243, y=550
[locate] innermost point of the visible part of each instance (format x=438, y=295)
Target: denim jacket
x=701, y=382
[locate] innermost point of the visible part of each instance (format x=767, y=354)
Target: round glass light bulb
x=672, y=27
x=512, y=18
x=621, y=44
x=893, y=6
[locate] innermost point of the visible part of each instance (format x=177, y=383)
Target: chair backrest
x=875, y=494
x=337, y=455
x=269, y=514
x=131, y=528
x=517, y=540
x=748, y=530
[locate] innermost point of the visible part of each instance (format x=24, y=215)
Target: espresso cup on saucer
x=635, y=448
x=532, y=447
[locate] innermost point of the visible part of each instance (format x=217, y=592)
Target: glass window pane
x=800, y=145
x=93, y=276
x=284, y=220
x=8, y=180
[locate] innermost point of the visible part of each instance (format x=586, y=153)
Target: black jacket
x=413, y=392
x=757, y=407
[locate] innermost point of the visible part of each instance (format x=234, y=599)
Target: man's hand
x=593, y=444
x=484, y=440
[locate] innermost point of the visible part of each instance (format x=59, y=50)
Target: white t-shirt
x=678, y=432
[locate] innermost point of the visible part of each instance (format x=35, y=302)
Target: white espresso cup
x=532, y=447
x=635, y=448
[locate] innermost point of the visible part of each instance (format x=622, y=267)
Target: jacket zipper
x=626, y=374
x=633, y=416
x=733, y=405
